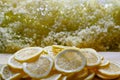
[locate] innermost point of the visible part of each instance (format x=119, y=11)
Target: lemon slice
x=48, y=50
x=28, y=54
x=90, y=76
x=40, y=68
x=7, y=74
x=101, y=57
x=12, y=62
x=57, y=48
x=82, y=74
x=112, y=69
x=92, y=57
x=106, y=77
x=70, y=60
x=1, y=65
x=104, y=63
x=53, y=77
x=64, y=78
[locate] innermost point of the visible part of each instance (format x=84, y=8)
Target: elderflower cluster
x=80, y=23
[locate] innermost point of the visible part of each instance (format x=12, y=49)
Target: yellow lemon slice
x=12, y=62
x=104, y=63
x=70, y=60
x=7, y=74
x=90, y=76
x=40, y=68
x=28, y=54
x=53, y=77
x=82, y=74
x=63, y=78
x=57, y=48
x=92, y=57
x=49, y=51
x=112, y=69
x=106, y=77
x=101, y=57
x=1, y=65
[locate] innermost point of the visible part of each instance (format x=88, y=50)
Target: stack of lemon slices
x=58, y=63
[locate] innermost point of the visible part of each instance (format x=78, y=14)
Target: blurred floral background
x=81, y=23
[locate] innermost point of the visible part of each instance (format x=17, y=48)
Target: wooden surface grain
x=112, y=56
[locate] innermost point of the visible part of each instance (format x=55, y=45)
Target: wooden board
x=112, y=56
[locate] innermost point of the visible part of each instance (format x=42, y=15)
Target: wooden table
x=112, y=56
